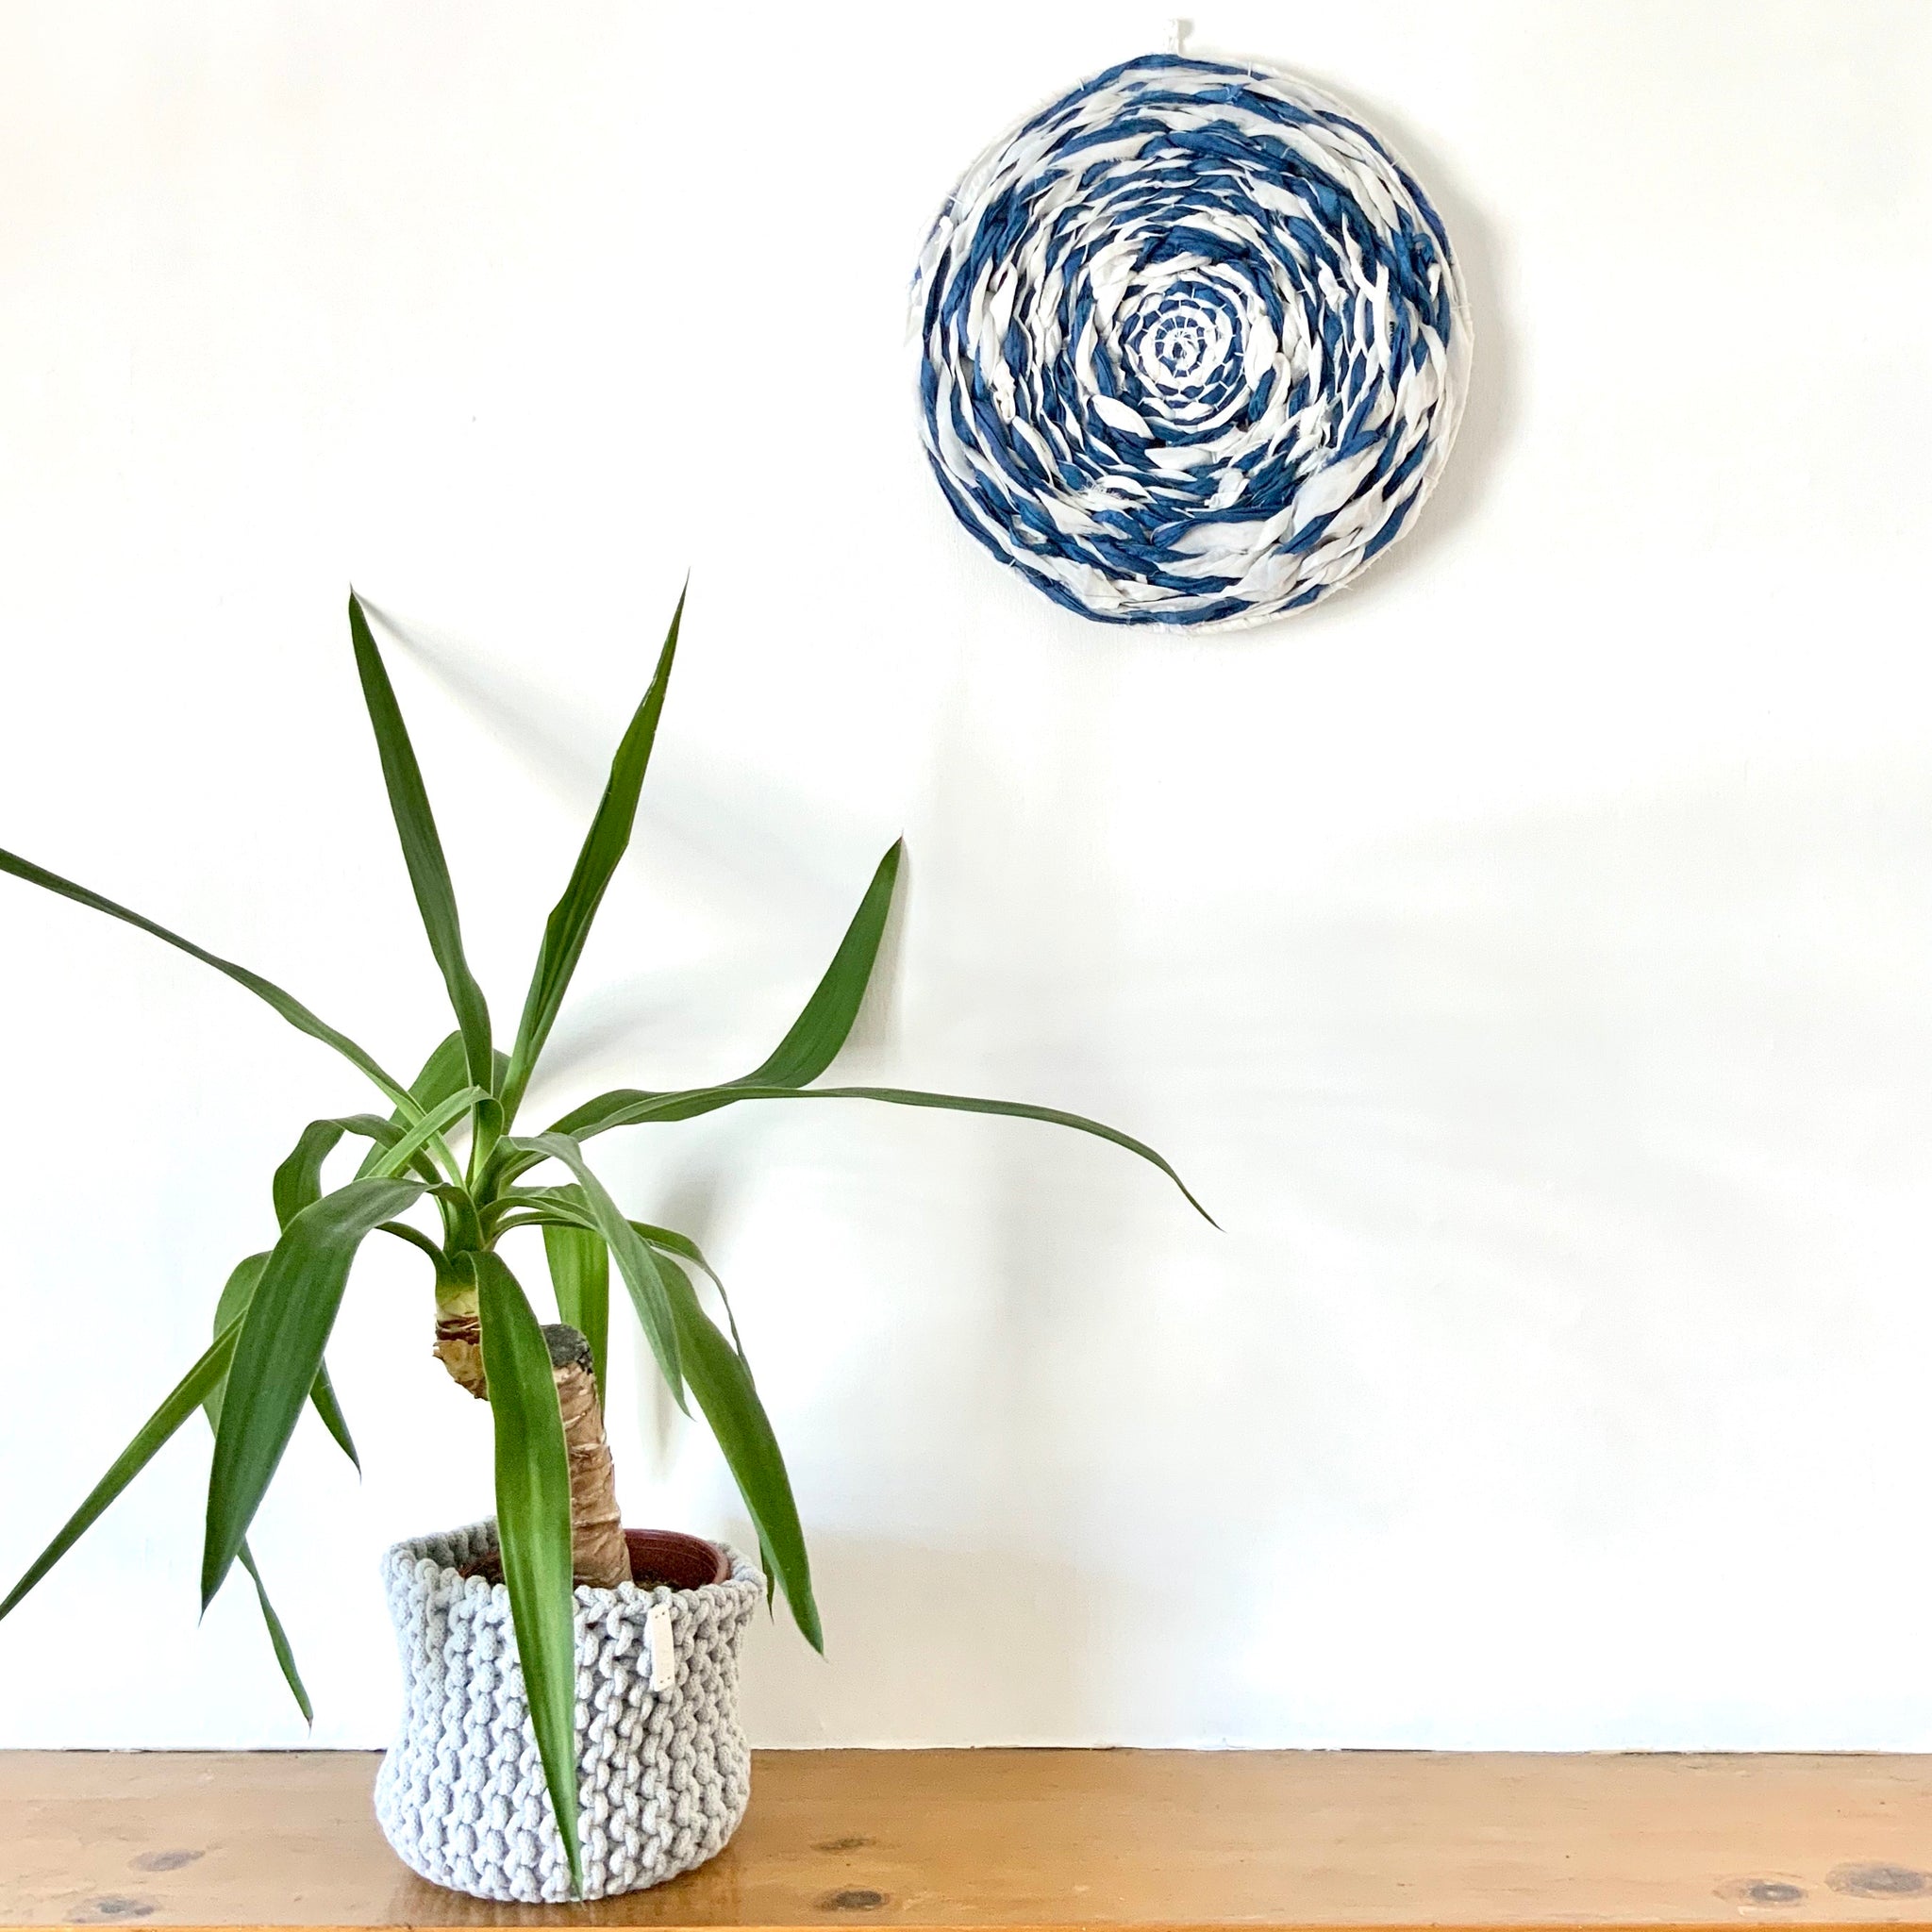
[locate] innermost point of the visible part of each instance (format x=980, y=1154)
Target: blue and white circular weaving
x=1193, y=345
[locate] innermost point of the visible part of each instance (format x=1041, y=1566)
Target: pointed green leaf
x=235, y=1296
x=671, y=1243
x=417, y=1238
x=730, y=1398
x=289, y=1007
x=570, y=918
x=330, y=1409
x=679, y=1245
x=644, y=1274
x=405, y=1149
x=298, y=1183
x=580, y=1275
x=816, y=1035
x=443, y=1072
x=563, y=1207
x=533, y=1526
x=629, y=1107
x=421, y=848
x=278, y=1638
x=298, y=1180
x=821, y=1029
x=232, y=1304
x=180, y=1402
x=279, y=1352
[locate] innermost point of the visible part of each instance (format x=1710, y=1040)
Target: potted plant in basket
x=494, y=1786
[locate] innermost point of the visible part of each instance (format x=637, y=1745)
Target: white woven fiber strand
x=1192, y=346
x=663, y=1777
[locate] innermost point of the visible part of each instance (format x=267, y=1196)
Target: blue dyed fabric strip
x=1192, y=346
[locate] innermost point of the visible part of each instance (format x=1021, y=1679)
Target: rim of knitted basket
x=1261, y=68
x=672, y=1559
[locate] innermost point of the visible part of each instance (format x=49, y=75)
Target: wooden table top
x=979, y=1840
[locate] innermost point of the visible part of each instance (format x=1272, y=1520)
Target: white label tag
x=663, y=1648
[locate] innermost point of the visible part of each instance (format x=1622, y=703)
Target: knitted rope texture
x=1193, y=345
x=662, y=1777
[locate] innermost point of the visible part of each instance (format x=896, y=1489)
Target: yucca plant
x=449, y=1148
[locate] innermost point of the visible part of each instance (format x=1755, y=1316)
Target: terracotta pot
x=685, y=1562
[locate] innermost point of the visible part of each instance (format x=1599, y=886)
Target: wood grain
x=978, y=1839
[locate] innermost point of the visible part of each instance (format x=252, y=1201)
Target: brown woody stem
x=598, y=1552
x=459, y=1337
x=599, y=1555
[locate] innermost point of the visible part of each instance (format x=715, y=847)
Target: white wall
x=1528, y=957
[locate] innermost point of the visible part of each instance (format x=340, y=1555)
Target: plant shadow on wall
x=449, y=1173
x=1052, y=1248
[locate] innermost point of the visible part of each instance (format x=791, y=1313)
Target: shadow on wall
x=1575, y=1182
x=1490, y=414
x=745, y=841
x=1572, y=1162
x=954, y=1644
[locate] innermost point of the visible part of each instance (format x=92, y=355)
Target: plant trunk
x=459, y=1338
x=598, y=1553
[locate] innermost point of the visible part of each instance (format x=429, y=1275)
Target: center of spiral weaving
x=1181, y=346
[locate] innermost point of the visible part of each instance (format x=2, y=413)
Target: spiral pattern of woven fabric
x=663, y=1776
x=1193, y=345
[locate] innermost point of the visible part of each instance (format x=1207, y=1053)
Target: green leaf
x=644, y=1274
x=278, y=1638
x=405, y=1149
x=180, y=1402
x=580, y=1275
x=421, y=848
x=279, y=1352
x=671, y=1243
x=629, y=1107
x=561, y=1206
x=323, y=1396
x=533, y=1527
x=564, y=1208
x=297, y=1183
x=821, y=1028
x=730, y=1398
x=289, y=1007
x=235, y=1296
x=417, y=1238
x=232, y=1304
x=679, y=1245
x=298, y=1180
x=443, y=1072
x=816, y=1035
x=569, y=925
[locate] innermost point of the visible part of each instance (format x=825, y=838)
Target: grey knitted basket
x=662, y=1777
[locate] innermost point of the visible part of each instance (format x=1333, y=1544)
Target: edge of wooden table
x=1034, y=1841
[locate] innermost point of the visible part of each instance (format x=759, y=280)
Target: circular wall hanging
x=1192, y=346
